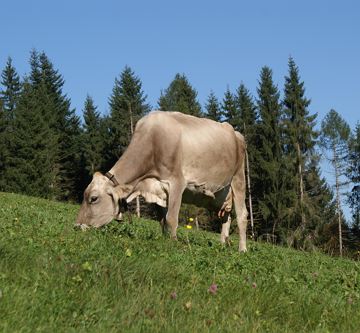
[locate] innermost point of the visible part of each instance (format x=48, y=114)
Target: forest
x=48, y=150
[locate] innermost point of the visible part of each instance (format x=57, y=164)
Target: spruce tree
x=300, y=137
x=213, y=109
x=230, y=110
x=321, y=206
x=43, y=99
x=9, y=95
x=180, y=96
x=10, y=81
x=335, y=134
x=66, y=127
x=32, y=168
x=353, y=174
x=127, y=105
x=3, y=147
x=247, y=113
x=269, y=177
x=93, y=144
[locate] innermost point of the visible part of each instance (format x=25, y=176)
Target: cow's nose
x=81, y=226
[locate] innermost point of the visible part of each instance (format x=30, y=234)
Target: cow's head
x=103, y=202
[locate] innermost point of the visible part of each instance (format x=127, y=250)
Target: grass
x=129, y=278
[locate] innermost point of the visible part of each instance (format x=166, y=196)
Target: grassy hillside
x=128, y=278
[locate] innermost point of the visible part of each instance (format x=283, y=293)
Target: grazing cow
x=173, y=157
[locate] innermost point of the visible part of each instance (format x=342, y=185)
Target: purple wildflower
x=213, y=289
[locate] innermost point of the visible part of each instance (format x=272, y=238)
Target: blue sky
x=214, y=43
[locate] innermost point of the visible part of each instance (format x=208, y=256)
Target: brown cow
x=173, y=157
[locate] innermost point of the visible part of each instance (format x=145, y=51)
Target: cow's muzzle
x=82, y=227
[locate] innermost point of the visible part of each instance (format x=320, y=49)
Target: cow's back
x=205, y=151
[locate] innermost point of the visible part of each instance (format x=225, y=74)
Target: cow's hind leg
x=174, y=202
x=238, y=188
x=226, y=211
x=225, y=228
x=161, y=216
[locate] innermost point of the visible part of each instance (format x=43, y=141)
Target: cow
x=173, y=157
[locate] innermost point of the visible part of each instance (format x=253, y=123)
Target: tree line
x=47, y=150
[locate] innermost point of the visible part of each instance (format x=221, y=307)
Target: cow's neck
x=130, y=168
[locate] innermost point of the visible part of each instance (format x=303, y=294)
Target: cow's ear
x=97, y=174
x=113, y=193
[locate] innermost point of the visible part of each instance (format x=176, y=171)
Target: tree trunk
x=338, y=204
x=301, y=184
x=249, y=191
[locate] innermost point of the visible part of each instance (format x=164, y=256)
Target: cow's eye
x=93, y=199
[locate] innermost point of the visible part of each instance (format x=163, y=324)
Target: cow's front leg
x=174, y=202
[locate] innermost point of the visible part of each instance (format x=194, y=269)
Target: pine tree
x=335, y=138
x=300, y=135
x=353, y=174
x=269, y=176
x=3, y=147
x=9, y=96
x=67, y=126
x=213, y=110
x=127, y=105
x=44, y=99
x=230, y=110
x=321, y=207
x=10, y=80
x=180, y=96
x=35, y=76
x=32, y=169
x=247, y=112
x=93, y=144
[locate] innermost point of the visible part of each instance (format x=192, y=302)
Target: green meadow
x=129, y=278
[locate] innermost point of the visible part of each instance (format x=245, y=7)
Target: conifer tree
x=3, y=148
x=300, y=135
x=335, y=138
x=9, y=96
x=93, y=144
x=321, y=206
x=353, y=174
x=213, y=110
x=248, y=118
x=66, y=127
x=32, y=169
x=44, y=100
x=127, y=105
x=180, y=96
x=247, y=112
x=10, y=81
x=35, y=76
x=269, y=177
x=230, y=110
